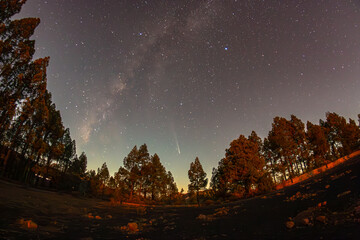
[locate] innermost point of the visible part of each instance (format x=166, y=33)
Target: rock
x=98, y=217
x=29, y=224
x=306, y=221
x=321, y=219
x=109, y=216
x=132, y=227
x=327, y=186
x=289, y=224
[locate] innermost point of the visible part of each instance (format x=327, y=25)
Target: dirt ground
x=324, y=207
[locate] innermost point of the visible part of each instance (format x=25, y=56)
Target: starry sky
x=188, y=76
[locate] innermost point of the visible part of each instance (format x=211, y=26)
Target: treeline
x=33, y=140
x=252, y=165
x=142, y=178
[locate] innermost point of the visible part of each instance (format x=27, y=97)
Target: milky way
x=187, y=77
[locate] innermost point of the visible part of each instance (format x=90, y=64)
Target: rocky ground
x=324, y=207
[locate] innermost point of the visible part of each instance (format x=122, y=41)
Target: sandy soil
x=325, y=207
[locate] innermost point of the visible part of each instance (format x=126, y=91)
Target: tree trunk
x=152, y=195
x=13, y=143
x=197, y=197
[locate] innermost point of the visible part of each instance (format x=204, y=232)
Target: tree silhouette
x=32, y=135
x=69, y=151
x=79, y=165
x=350, y=139
x=283, y=145
x=130, y=164
x=318, y=145
x=143, y=174
x=122, y=184
x=301, y=150
x=103, y=176
x=288, y=150
x=142, y=160
x=172, y=190
x=242, y=169
x=18, y=74
x=157, y=176
x=197, y=178
x=334, y=126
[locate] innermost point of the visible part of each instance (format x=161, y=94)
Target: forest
x=36, y=148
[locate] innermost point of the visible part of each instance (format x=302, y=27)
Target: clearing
x=324, y=207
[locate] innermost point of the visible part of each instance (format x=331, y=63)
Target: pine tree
x=318, y=145
x=157, y=176
x=143, y=159
x=283, y=145
x=122, y=184
x=133, y=171
x=244, y=162
x=103, y=176
x=22, y=80
x=69, y=151
x=172, y=189
x=197, y=178
x=16, y=52
x=301, y=149
x=334, y=127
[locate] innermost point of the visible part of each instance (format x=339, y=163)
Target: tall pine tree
x=197, y=178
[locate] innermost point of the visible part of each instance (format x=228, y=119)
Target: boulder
x=29, y=224
x=289, y=224
x=305, y=221
x=132, y=227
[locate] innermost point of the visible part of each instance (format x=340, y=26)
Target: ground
x=324, y=207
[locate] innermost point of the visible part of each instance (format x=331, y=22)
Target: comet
x=176, y=139
x=177, y=145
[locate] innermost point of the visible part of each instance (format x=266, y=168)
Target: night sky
x=187, y=77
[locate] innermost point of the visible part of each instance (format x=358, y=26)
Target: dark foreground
x=325, y=207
